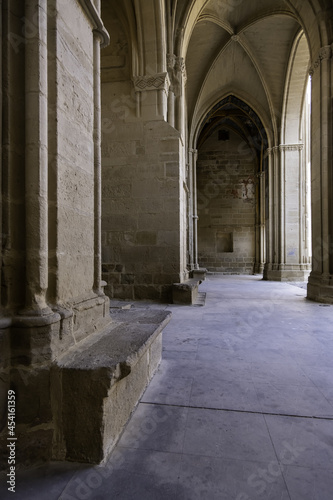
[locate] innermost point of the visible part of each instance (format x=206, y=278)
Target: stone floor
x=240, y=409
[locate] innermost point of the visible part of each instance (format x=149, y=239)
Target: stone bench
x=199, y=274
x=185, y=293
x=102, y=379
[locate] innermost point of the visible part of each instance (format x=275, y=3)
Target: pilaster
x=286, y=246
x=320, y=286
x=260, y=225
x=193, y=221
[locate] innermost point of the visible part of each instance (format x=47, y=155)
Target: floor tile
x=218, y=479
x=47, y=481
x=129, y=474
x=304, y=442
x=279, y=373
x=156, y=427
x=168, y=390
x=292, y=400
x=124, y=486
x=321, y=376
x=231, y=435
x=215, y=392
x=309, y=484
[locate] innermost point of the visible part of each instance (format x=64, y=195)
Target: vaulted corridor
x=241, y=407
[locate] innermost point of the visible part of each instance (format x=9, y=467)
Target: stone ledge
x=199, y=274
x=185, y=293
x=105, y=379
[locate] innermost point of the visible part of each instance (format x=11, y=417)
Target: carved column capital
x=145, y=83
x=177, y=73
x=323, y=54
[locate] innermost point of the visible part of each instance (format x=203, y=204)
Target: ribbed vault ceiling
x=242, y=48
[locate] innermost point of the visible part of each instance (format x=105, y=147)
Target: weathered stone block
x=150, y=292
x=35, y=446
x=123, y=292
x=146, y=238
x=32, y=391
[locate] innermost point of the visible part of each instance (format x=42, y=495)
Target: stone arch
x=238, y=181
x=198, y=124
x=295, y=89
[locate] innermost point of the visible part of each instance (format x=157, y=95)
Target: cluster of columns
x=288, y=257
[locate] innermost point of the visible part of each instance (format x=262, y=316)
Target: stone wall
x=226, y=180
x=141, y=216
x=50, y=297
x=72, y=171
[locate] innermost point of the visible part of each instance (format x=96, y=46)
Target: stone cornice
x=323, y=54
x=284, y=147
x=160, y=81
x=99, y=28
x=291, y=147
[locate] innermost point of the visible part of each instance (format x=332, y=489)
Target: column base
x=320, y=288
x=286, y=273
x=259, y=268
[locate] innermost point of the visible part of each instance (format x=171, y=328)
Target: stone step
x=103, y=378
x=185, y=293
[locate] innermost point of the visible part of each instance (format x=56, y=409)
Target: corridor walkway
x=240, y=409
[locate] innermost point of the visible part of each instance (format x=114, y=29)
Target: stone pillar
x=286, y=213
x=97, y=165
x=320, y=286
x=36, y=161
x=195, y=209
x=191, y=196
x=271, y=202
x=260, y=227
x=171, y=96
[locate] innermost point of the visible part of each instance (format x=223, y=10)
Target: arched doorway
x=231, y=167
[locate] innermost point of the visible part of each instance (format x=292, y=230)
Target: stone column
x=194, y=153
x=98, y=166
x=171, y=96
x=36, y=161
x=260, y=236
x=320, y=287
x=191, y=196
x=180, y=76
x=286, y=213
x=271, y=202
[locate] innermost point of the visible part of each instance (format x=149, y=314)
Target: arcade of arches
x=144, y=140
